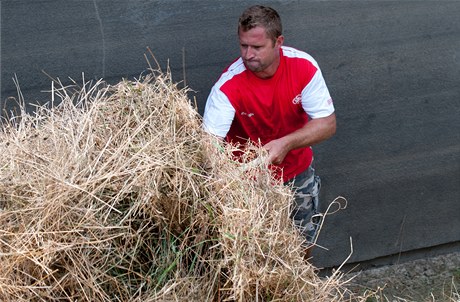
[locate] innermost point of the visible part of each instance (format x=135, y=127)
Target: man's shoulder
x=235, y=68
x=231, y=74
x=294, y=53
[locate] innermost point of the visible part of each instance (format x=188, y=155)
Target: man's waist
x=296, y=162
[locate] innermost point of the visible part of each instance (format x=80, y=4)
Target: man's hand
x=277, y=150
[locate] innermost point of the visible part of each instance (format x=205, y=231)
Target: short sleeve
x=218, y=114
x=316, y=100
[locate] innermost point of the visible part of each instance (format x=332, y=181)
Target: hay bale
x=117, y=194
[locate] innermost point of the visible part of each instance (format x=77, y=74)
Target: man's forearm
x=314, y=132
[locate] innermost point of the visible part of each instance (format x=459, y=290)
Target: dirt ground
x=431, y=279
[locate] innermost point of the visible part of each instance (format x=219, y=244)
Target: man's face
x=259, y=53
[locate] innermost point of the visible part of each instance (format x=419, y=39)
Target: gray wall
x=393, y=69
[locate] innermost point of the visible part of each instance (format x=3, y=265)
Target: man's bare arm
x=314, y=132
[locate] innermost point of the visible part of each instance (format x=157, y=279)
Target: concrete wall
x=393, y=69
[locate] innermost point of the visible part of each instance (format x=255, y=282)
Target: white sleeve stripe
x=291, y=52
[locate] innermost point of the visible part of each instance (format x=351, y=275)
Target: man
x=276, y=96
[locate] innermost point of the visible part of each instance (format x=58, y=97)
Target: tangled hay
x=117, y=194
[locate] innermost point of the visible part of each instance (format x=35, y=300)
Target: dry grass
x=117, y=194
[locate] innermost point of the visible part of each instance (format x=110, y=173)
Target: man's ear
x=279, y=41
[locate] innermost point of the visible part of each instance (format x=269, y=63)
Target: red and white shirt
x=242, y=106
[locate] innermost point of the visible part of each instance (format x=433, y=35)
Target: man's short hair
x=262, y=16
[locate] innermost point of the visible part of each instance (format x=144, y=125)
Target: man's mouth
x=251, y=62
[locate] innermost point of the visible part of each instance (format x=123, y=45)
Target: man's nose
x=249, y=53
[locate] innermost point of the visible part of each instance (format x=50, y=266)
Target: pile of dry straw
x=117, y=194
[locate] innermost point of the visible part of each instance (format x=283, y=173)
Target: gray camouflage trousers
x=304, y=210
